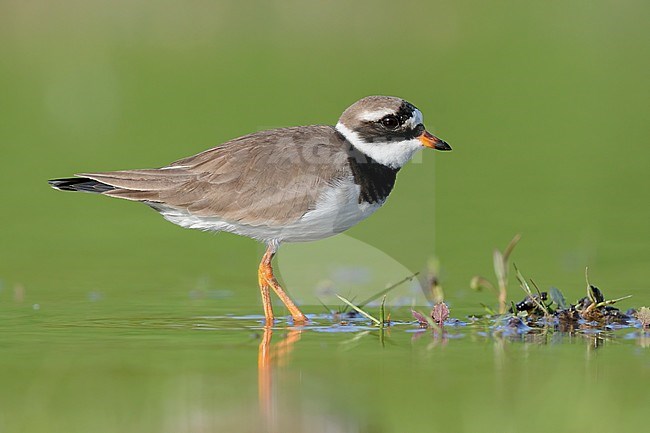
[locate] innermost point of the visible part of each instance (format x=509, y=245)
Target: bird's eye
x=390, y=122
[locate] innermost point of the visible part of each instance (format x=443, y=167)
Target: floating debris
x=643, y=316
x=440, y=313
x=539, y=313
x=550, y=309
x=421, y=318
x=530, y=304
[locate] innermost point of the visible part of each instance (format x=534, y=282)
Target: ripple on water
x=483, y=328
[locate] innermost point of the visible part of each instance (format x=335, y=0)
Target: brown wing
x=270, y=177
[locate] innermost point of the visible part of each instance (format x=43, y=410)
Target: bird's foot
x=271, y=282
x=267, y=280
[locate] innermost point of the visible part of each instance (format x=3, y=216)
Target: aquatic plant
x=359, y=310
x=500, y=264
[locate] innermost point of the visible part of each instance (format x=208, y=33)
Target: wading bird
x=282, y=185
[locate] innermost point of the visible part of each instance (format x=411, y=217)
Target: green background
x=544, y=103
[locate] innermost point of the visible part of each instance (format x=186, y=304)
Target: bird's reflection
x=269, y=357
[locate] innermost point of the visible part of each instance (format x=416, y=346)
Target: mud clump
x=593, y=310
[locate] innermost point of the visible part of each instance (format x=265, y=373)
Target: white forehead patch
x=373, y=116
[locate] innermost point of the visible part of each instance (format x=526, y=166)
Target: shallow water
x=109, y=369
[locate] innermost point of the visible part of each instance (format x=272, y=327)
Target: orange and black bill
x=433, y=142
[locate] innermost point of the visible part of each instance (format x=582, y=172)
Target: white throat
x=393, y=154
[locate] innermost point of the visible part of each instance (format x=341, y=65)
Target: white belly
x=337, y=210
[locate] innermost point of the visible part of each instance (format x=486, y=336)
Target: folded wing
x=266, y=178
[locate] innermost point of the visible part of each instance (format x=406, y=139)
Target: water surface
x=107, y=368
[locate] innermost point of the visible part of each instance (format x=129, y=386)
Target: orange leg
x=267, y=280
x=266, y=297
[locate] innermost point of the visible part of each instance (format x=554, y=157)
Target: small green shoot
x=329, y=311
x=612, y=301
x=382, y=312
x=501, y=269
x=526, y=288
x=500, y=264
x=511, y=246
x=387, y=289
x=594, y=295
x=501, y=272
x=346, y=307
x=539, y=292
x=513, y=308
x=590, y=293
x=488, y=310
x=359, y=310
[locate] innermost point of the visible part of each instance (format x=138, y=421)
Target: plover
x=282, y=185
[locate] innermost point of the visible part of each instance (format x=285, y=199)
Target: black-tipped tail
x=82, y=184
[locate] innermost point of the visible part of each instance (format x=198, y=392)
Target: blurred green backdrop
x=544, y=103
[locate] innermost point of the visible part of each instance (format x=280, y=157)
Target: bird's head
x=387, y=129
